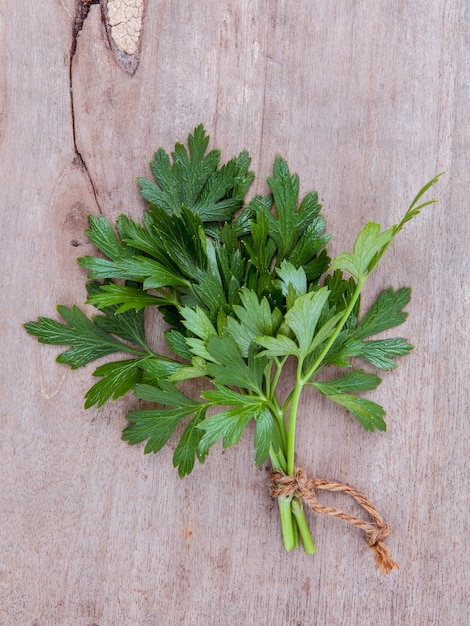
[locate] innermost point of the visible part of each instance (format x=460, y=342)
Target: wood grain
x=366, y=101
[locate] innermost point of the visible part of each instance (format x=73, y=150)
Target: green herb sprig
x=243, y=289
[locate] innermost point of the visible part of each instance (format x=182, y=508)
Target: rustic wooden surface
x=367, y=101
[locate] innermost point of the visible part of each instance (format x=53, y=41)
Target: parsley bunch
x=243, y=288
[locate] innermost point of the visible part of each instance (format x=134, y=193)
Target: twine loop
x=305, y=489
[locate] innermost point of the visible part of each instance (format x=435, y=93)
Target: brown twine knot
x=304, y=488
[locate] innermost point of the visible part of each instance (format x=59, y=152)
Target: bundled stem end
x=304, y=488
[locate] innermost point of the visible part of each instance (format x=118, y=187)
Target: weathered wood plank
x=366, y=102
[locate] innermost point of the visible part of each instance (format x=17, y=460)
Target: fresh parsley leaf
x=118, y=378
x=223, y=395
x=177, y=344
x=227, y=425
x=293, y=280
x=159, y=368
x=86, y=339
x=369, y=414
x=129, y=325
x=183, y=239
x=157, y=425
x=302, y=318
x=356, y=380
x=230, y=368
x=255, y=317
x=378, y=352
x=101, y=234
x=266, y=435
x=150, y=273
x=154, y=426
x=195, y=181
x=281, y=345
x=187, y=449
x=126, y=297
x=197, y=322
x=385, y=313
x=369, y=243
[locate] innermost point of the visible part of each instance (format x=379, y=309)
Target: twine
x=304, y=488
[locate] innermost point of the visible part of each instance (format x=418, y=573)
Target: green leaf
x=194, y=180
x=188, y=447
x=165, y=194
x=156, y=369
x=216, y=202
x=197, y=369
x=141, y=269
x=255, y=318
x=292, y=277
x=198, y=349
x=260, y=247
x=302, y=318
x=125, y=296
x=368, y=413
x=308, y=252
x=281, y=345
x=266, y=435
x=129, y=325
x=369, y=243
x=87, y=341
x=177, y=344
x=356, y=380
x=230, y=368
x=414, y=209
x=197, y=322
x=210, y=292
x=182, y=182
x=227, y=397
x=164, y=392
x=287, y=228
x=323, y=333
x=154, y=425
x=341, y=290
x=285, y=188
x=385, y=313
x=102, y=235
x=183, y=239
x=143, y=238
x=157, y=425
x=118, y=378
x=378, y=352
x=194, y=168
x=227, y=425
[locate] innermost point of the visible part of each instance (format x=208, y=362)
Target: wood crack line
x=81, y=13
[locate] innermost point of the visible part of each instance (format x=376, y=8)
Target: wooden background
x=367, y=101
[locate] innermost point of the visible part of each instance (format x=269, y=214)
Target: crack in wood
x=81, y=13
x=125, y=47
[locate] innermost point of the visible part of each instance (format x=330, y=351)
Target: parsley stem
x=294, y=405
x=311, y=371
x=276, y=411
x=277, y=372
x=288, y=526
x=302, y=525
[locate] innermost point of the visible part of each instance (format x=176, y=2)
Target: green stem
x=304, y=530
x=277, y=372
x=347, y=312
x=288, y=527
x=294, y=405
